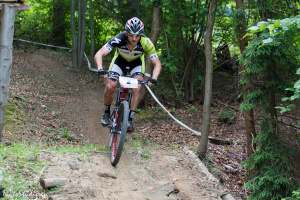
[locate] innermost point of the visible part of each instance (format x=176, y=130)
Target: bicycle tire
x=117, y=140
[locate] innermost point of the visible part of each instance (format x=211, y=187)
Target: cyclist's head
x=134, y=26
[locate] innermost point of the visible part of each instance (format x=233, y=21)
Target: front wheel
x=117, y=137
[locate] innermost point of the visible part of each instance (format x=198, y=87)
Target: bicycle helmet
x=134, y=26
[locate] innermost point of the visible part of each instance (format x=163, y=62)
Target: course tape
x=194, y=132
x=59, y=47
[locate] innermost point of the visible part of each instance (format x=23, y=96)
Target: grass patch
x=140, y=145
x=14, y=114
x=21, y=167
x=66, y=134
x=79, y=149
x=150, y=114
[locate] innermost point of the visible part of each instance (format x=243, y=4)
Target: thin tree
x=202, y=149
x=78, y=35
x=242, y=41
x=7, y=19
x=155, y=31
x=156, y=21
x=74, y=34
x=81, y=30
x=92, y=29
x=58, y=21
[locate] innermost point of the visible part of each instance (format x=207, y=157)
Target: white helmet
x=134, y=26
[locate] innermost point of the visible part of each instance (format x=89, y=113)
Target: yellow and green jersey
x=144, y=48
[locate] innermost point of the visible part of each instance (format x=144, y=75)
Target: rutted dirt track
x=166, y=175
x=61, y=97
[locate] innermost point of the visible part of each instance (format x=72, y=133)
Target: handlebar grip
x=101, y=72
x=153, y=81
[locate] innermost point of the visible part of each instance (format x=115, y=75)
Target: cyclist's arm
x=156, y=67
x=152, y=55
x=99, y=55
x=116, y=41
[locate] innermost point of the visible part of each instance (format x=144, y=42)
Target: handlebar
x=142, y=82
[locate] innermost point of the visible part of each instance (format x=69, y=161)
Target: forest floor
x=53, y=106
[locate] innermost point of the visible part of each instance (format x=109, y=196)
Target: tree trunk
x=58, y=20
x=82, y=40
x=202, y=149
x=92, y=32
x=74, y=35
x=128, y=9
x=6, y=40
x=155, y=28
x=248, y=116
x=79, y=33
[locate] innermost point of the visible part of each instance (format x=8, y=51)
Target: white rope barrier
x=194, y=132
x=59, y=47
x=37, y=43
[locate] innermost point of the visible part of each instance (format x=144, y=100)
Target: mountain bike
x=120, y=114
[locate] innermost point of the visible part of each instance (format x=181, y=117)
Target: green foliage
x=271, y=167
x=227, y=115
x=271, y=60
x=295, y=195
x=181, y=46
x=35, y=23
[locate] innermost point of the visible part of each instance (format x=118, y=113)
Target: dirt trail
x=166, y=175
x=72, y=96
x=61, y=97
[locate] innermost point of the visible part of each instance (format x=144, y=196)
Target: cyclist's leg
x=138, y=71
x=110, y=87
x=111, y=83
x=138, y=74
x=136, y=92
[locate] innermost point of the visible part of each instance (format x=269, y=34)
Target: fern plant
x=271, y=60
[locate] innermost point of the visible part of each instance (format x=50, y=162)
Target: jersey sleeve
x=116, y=41
x=149, y=48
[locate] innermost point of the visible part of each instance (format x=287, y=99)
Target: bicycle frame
x=119, y=116
x=122, y=95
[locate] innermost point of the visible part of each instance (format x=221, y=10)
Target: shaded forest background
x=256, y=63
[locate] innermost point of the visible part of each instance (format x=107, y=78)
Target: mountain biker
x=132, y=47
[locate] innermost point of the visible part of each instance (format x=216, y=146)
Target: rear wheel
x=117, y=137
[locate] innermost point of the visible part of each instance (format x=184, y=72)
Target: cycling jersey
x=124, y=56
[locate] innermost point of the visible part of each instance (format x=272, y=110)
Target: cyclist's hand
x=152, y=81
x=101, y=72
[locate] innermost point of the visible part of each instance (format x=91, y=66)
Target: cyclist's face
x=133, y=39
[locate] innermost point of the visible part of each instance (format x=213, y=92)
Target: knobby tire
x=118, y=139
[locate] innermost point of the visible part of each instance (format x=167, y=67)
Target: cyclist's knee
x=110, y=85
x=139, y=77
x=137, y=91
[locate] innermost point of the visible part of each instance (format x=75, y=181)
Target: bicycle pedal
x=104, y=125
